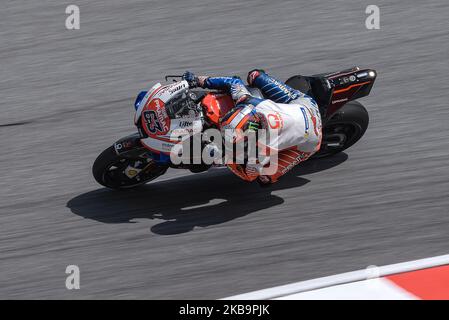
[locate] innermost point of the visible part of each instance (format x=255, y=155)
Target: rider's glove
x=252, y=75
x=191, y=79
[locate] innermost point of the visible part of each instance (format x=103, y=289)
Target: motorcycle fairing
x=140, y=103
x=165, y=130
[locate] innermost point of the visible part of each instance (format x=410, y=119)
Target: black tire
x=344, y=129
x=102, y=171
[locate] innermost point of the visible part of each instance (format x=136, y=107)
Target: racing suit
x=293, y=114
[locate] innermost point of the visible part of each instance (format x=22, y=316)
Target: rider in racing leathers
x=293, y=114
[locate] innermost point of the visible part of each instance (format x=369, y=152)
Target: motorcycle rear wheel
x=344, y=129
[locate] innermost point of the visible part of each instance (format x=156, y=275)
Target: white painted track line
x=359, y=275
x=373, y=289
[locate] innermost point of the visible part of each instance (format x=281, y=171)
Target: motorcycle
x=132, y=161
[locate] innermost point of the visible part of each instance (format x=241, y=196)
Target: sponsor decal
x=174, y=88
x=314, y=122
x=184, y=124
x=123, y=145
x=177, y=133
x=282, y=87
x=253, y=126
x=167, y=146
x=155, y=119
x=306, y=119
x=300, y=158
x=131, y=172
x=339, y=101
x=274, y=120
x=169, y=90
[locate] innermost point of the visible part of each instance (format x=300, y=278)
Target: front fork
x=131, y=148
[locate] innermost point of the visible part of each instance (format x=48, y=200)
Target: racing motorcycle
x=133, y=161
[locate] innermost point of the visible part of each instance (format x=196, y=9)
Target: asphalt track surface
x=67, y=95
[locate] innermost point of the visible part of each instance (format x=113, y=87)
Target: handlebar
x=173, y=76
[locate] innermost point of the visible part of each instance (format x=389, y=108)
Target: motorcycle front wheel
x=117, y=172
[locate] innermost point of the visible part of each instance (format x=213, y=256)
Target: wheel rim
x=114, y=174
x=338, y=136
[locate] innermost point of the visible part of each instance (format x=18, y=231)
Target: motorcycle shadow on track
x=187, y=202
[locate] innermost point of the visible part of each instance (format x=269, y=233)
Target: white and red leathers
x=288, y=114
x=294, y=115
